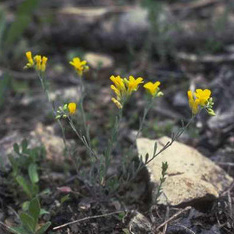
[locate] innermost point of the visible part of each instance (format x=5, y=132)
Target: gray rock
x=140, y=224
x=191, y=175
x=222, y=88
x=41, y=135
x=180, y=100
x=104, y=27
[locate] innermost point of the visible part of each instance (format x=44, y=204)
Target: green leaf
x=24, y=145
x=43, y=228
x=2, y=24
x=43, y=211
x=13, y=164
x=32, y=171
x=5, y=85
x=34, y=189
x=155, y=148
x=34, y=209
x=25, y=186
x=25, y=206
x=23, y=18
x=16, y=148
x=122, y=215
x=65, y=198
x=45, y=192
x=126, y=231
x=28, y=221
x=18, y=230
x=146, y=158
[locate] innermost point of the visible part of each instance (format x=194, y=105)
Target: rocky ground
x=184, y=45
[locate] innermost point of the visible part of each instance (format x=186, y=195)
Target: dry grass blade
x=172, y=218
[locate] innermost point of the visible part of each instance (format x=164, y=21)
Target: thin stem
x=174, y=138
x=146, y=110
x=82, y=138
x=111, y=142
x=87, y=218
x=83, y=114
x=42, y=80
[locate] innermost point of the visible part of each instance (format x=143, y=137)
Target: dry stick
x=187, y=229
x=173, y=217
x=228, y=189
x=167, y=215
x=230, y=205
x=194, y=5
x=230, y=164
x=5, y=226
x=87, y=218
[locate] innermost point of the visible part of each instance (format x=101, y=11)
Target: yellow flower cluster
x=38, y=62
x=79, y=65
x=200, y=98
x=123, y=88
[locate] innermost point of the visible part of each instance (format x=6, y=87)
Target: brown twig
x=187, y=229
x=228, y=189
x=86, y=218
x=5, y=226
x=173, y=217
x=194, y=5
x=225, y=164
x=167, y=216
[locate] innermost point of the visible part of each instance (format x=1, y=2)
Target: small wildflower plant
x=123, y=89
x=25, y=169
x=30, y=220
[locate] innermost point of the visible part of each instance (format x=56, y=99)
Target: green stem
x=146, y=111
x=111, y=142
x=83, y=114
x=42, y=80
x=174, y=138
x=82, y=138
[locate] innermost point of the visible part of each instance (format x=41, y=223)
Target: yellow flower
x=117, y=91
x=202, y=99
x=119, y=83
x=79, y=65
x=203, y=96
x=37, y=59
x=117, y=103
x=123, y=88
x=43, y=63
x=133, y=84
x=37, y=62
x=152, y=87
x=72, y=108
x=30, y=60
x=193, y=103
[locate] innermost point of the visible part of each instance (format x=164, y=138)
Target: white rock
x=191, y=175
